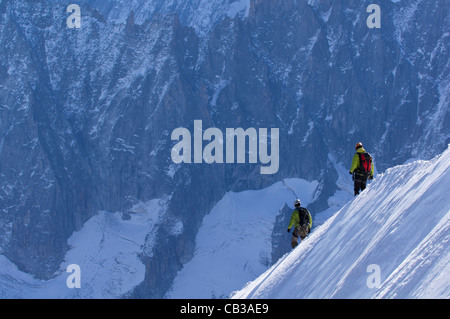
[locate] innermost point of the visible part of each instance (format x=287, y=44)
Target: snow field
x=399, y=223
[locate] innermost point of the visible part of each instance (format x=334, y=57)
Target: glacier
x=400, y=224
x=107, y=250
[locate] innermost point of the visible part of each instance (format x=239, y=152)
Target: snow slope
x=107, y=249
x=398, y=230
x=233, y=244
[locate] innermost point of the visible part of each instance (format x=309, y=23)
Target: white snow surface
x=234, y=242
x=106, y=249
x=400, y=224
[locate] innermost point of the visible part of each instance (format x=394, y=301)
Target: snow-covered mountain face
x=397, y=246
x=86, y=114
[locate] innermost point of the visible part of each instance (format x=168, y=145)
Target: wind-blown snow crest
x=398, y=225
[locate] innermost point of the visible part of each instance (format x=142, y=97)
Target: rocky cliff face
x=86, y=114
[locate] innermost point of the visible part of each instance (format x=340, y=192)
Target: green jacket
x=355, y=161
x=295, y=219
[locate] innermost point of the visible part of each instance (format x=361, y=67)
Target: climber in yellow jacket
x=362, y=168
x=302, y=221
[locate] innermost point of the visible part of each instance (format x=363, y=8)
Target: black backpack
x=365, y=163
x=303, y=215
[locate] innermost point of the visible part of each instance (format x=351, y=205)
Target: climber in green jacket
x=302, y=221
x=362, y=168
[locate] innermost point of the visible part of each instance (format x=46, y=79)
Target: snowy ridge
x=400, y=223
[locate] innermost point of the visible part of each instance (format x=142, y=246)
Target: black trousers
x=360, y=183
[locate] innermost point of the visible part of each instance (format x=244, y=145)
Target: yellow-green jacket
x=295, y=218
x=355, y=161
